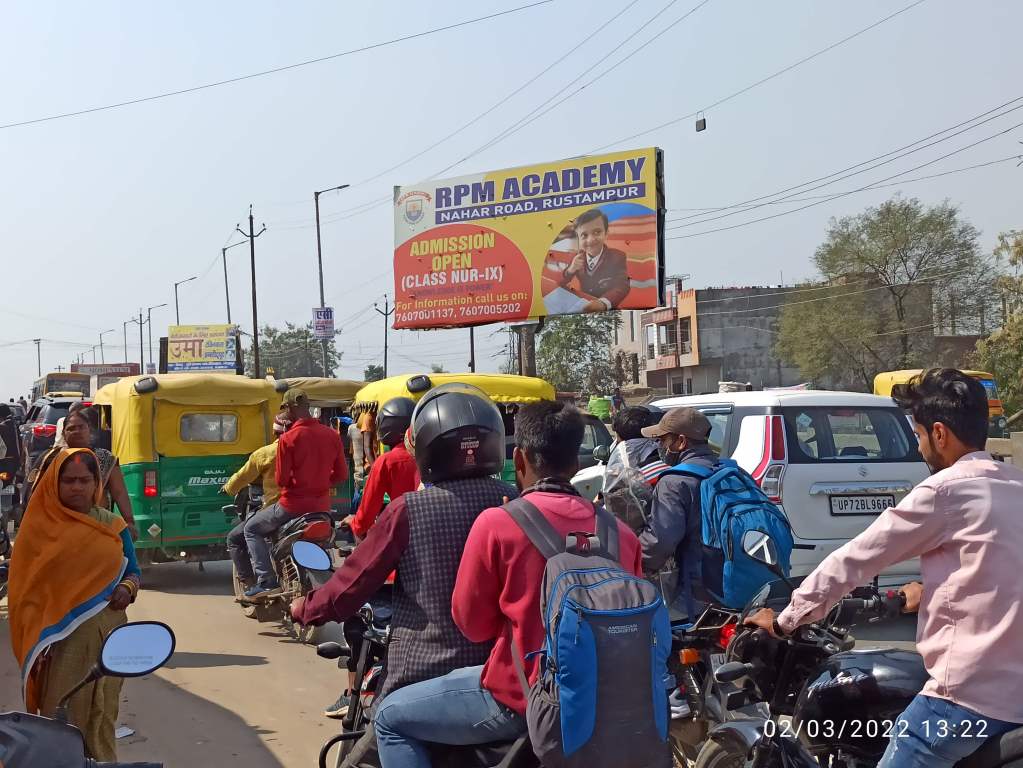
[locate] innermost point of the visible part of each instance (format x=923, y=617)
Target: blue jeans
x=253, y=535
x=936, y=733
x=454, y=709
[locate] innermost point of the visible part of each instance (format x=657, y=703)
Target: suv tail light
x=777, y=439
x=149, y=489
x=44, y=430
x=770, y=483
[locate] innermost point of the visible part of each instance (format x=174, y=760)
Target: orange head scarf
x=64, y=567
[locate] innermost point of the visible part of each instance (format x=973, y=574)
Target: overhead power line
x=763, y=80
x=878, y=161
x=371, y=205
x=275, y=70
x=849, y=192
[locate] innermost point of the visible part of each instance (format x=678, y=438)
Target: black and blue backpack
x=601, y=700
x=731, y=504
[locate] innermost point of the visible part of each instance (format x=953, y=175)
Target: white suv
x=833, y=461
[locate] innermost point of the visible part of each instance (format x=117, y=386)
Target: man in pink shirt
x=966, y=524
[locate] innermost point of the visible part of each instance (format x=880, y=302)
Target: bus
x=63, y=383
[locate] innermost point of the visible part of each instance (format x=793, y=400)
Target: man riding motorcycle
x=459, y=443
x=310, y=460
x=964, y=524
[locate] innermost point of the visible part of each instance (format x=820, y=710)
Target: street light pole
x=177, y=315
x=319, y=261
x=227, y=291
x=102, y=357
x=149, y=320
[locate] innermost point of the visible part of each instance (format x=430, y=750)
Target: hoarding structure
x=573, y=236
x=205, y=348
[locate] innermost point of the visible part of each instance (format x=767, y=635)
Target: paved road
x=235, y=693
x=238, y=692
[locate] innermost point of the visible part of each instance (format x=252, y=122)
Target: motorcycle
x=28, y=741
x=842, y=704
x=312, y=533
x=370, y=669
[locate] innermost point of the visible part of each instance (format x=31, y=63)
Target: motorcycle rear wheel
x=715, y=755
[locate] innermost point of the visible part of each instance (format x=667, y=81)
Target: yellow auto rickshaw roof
x=322, y=391
x=501, y=387
x=191, y=389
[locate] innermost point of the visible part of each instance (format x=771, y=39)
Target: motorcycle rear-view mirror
x=136, y=649
x=310, y=556
x=602, y=453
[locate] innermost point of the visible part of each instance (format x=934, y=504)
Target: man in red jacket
x=310, y=460
x=497, y=597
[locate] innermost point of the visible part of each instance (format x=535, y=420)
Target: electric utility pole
x=252, y=234
x=386, y=314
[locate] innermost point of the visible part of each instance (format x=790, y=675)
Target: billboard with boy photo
x=581, y=235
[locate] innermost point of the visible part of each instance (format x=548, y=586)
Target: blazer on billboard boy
x=601, y=270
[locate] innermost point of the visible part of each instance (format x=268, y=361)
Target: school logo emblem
x=413, y=207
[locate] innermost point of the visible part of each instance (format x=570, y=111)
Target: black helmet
x=458, y=432
x=393, y=419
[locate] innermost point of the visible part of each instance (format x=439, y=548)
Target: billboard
x=581, y=235
x=106, y=369
x=205, y=348
x=323, y=323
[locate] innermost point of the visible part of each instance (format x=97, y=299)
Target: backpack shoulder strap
x=607, y=531
x=695, y=470
x=532, y=522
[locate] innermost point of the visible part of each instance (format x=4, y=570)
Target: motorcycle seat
x=1005, y=750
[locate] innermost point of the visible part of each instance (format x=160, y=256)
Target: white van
x=833, y=461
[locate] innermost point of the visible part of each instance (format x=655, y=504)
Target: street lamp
x=102, y=357
x=227, y=291
x=319, y=258
x=149, y=320
x=177, y=315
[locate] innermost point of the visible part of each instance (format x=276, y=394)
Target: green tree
x=437, y=368
x=893, y=276
x=373, y=372
x=573, y=352
x=292, y=351
x=1002, y=352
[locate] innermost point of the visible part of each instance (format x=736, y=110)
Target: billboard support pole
x=386, y=314
x=472, y=349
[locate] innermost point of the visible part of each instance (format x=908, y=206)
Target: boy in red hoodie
x=497, y=596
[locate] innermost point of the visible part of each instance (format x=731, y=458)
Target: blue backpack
x=731, y=504
x=601, y=700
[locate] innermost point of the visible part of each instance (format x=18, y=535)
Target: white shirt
x=593, y=261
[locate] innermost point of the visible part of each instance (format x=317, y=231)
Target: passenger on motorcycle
x=310, y=460
x=675, y=523
x=395, y=472
x=261, y=466
x=964, y=524
x=497, y=598
x=459, y=445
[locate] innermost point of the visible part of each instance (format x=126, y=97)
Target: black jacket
x=675, y=521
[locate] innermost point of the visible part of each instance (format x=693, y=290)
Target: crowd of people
x=464, y=578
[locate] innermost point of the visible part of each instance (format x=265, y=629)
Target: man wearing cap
x=675, y=522
x=310, y=460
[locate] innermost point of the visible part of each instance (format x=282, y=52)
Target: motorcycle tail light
x=726, y=635
x=688, y=656
x=149, y=489
x=319, y=530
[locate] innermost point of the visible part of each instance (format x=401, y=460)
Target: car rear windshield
x=830, y=434
x=54, y=412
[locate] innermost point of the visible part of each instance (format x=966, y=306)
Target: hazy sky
x=100, y=214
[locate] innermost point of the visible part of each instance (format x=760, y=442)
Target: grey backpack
x=601, y=700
